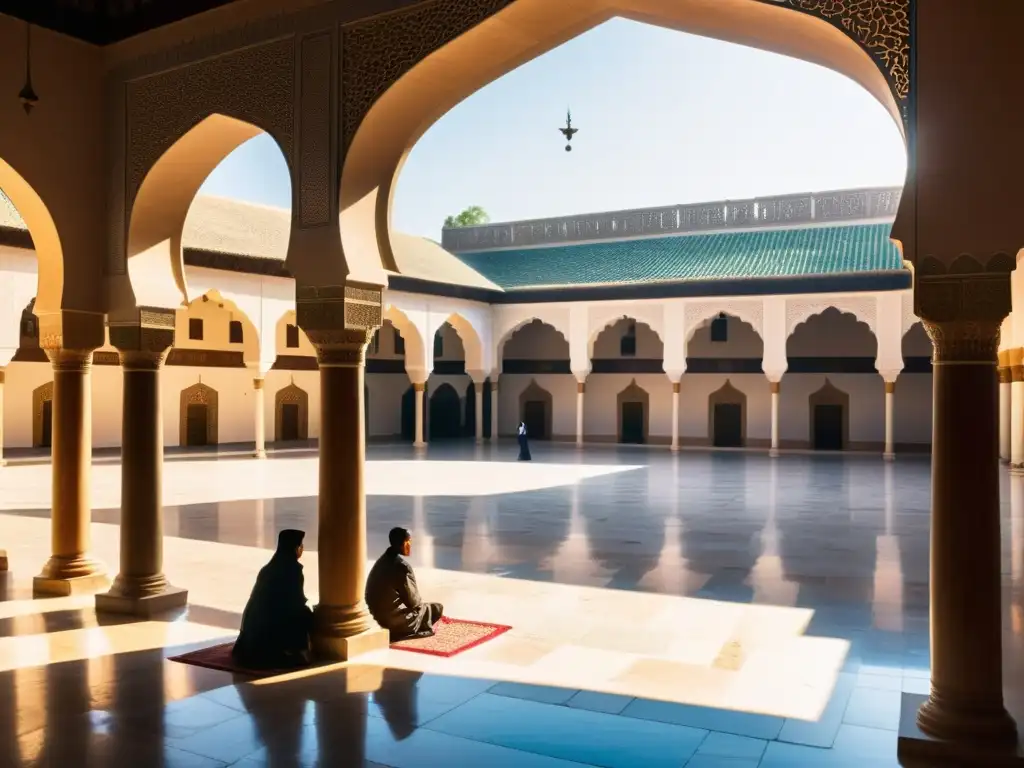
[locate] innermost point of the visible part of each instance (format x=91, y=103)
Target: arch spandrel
x=402, y=71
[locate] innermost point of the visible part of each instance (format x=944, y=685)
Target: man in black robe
x=392, y=595
x=276, y=620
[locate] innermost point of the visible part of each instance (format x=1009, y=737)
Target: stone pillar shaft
x=418, y=390
x=478, y=409
x=675, y=415
x=259, y=406
x=141, y=588
x=890, y=398
x=494, y=409
x=340, y=321
x=1004, y=415
x=966, y=701
x=1017, y=416
x=774, y=451
x=71, y=567
x=580, y=395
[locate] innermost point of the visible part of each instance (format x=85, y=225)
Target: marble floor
x=703, y=609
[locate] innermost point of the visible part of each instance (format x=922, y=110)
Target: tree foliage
x=471, y=217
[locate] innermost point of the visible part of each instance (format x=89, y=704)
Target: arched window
x=291, y=336
x=627, y=344
x=720, y=328
x=235, y=334
x=195, y=328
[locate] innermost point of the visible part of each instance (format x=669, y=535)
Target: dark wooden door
x=46, y=435
x=289, y=421
x=828, y=427
x=632, y=427
x=535, y=414
x=196, y=416
x=409, y=414
x=728, y=425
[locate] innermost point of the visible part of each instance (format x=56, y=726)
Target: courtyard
x=698, y=609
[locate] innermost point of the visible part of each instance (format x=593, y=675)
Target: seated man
x=392, y=595
x=276, y=620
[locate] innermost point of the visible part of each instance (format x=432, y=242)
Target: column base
x=336, y=648
x=973, y=747
x=259, y=454
x=1017, y=469
x=63, y=576
x=419, y=446
x=773, y=453
x=167, y=600
x=889, y=456
x=674, y=448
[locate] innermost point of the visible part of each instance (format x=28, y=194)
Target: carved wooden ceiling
x=105, y=21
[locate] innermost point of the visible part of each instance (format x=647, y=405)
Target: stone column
x=890, y=399
x=141, y=588
x=478, y=409
x=581, y=388
x=340, y=321
x=774, y=450
x=69, y=339
x=494, y=409
x=1004, y=410
x=259, y=404
x=1017, y=414
x=966, y=701
x=676, y=386
x=418, y=390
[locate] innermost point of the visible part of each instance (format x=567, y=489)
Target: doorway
x=535, y=416
x=828, y=427
x=197, y=418
x=632, y=423
x=728, y=425
x=46, y=432
x=409, y=415
x=445, y=413
x=289, y=422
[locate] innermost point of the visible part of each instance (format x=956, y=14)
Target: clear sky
x=664, y=118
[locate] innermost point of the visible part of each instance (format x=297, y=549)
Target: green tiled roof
x=800, y=252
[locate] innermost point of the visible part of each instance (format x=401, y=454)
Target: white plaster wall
x=308, y=381
x=385, y=406
x=563, y=398
x=867, y=405
x=236, y=414
x=21, y=380
x=696, y=389
x=601, y=406
x=912, y=409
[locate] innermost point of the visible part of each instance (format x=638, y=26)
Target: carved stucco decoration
x=254, y=84
x=750, y=312
x=862, y=307
x=377, y=52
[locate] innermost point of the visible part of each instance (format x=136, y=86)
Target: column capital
x=964, y=341
x=69, y=337
x=890, y=386
x=1004, y=375
x=581, y=387
x=339, y=320
x=774, y=377
x=419, y=386
x=581, y=375
x=962, y=312
x=144, y=338
x=258, y=382
x=675, y=375
x=889, y=376
x=676, y=387
x=774, y=386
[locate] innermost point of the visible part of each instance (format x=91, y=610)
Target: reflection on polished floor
x=705, y=609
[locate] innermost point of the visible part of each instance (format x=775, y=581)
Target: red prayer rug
x=219, y=657
x=451, y=637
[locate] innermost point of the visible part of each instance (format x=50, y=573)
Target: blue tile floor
x=844, y=536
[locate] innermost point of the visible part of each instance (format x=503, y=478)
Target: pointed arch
x=540, y=328
x=445, y=413
x=727, y=417
x=536, y=410
x=291, y=414
x=156, y=218
x=46, y=240
x=634, y=414
x=198, y=422
x=607, y=322
x=839, y=316
x=829, y=418
x=472, y=342
x=415, y=351
x=483, y=44
x=232, y=313
x=42, y=415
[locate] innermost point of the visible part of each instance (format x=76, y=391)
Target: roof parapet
x=838, y=206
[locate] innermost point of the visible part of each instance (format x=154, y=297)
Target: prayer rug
x=219, y=657
x=452, y=636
